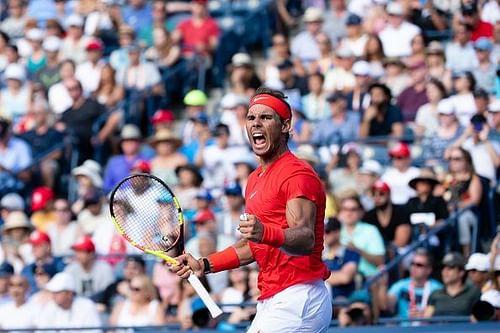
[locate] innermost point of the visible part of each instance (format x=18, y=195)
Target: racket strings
x=146, y=212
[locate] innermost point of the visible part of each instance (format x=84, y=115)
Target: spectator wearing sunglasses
x=457, y=297
x=410, y=296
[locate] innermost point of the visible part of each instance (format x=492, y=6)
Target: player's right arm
x=237, y=255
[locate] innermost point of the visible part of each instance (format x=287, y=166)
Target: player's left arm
x=301, y=219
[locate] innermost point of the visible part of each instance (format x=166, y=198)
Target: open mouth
x=258, y=139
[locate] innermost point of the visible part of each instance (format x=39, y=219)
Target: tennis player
x=282, y=230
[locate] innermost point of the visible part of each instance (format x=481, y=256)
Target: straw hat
x=165, y=135
x=426, y=175
x=16, y=220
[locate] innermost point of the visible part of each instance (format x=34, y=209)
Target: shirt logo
x=253, y=195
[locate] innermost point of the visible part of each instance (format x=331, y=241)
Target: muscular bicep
x=301, y=212
x=301, y=219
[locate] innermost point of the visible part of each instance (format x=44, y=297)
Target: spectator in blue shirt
x=342, y=126
x=341, y=261
x=137, y=14
x=409, y=297
x=119, y=166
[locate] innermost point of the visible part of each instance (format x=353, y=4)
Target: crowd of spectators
x=396, y=104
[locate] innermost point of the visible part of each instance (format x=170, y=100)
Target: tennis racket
x=147, y=214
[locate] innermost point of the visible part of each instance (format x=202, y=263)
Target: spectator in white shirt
x=73, y=46
x=396, y=37
x=463, y=101
x=17, y=313
x=59, y=98
x=66, y=309
x=89, y=72
x=400, y=173
x=460, y=55
x=355, y=39
x=90, y=275
x=304, y=46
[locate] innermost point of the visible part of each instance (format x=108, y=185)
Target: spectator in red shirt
x=198, y=34
x=471, y=18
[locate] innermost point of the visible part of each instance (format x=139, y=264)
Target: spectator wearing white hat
x=234, y=110
x=494, y=115
x=369, y=172
x=37, y=58
x=74, y=45
x=478, y=270
x=242, y=77
x=447, y=132
x=398, y=34
x=359, y=98
x=15, y=239
x=66, y=309
x=15, y=98
x=11, y=202
x=341, y=77
x=49, y=74
x=304, y=46
x=18, y=313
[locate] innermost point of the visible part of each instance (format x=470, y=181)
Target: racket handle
x=212, y=307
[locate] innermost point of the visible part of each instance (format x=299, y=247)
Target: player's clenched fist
x=251, y=228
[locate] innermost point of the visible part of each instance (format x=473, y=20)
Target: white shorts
x=305, y=308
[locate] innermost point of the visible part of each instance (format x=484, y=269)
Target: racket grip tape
x=212, y=307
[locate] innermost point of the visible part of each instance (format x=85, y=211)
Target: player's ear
x=286, y=125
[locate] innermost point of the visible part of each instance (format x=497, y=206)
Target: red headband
x=279, y=106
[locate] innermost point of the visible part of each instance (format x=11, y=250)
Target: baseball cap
x=445, y=106
x=195, y=98
x=335, y=97
x=353, y=19
x=483, y=44
x=141, y=166
x=94, y=45
x=492, y=296
x=40, y=197
x=12, y=201
x=395, y=8
x=233, y=189
x=469, y=9
x=6, y=269
x=361, y=68
x=479, y=262
x=61, y=282
x=241, y=59
x=84, y=243
x=74, y=20
x=15, y=72
x=435, y=47
x=371, y=167
x=204, y=194
x=344, y=52
x=313, y=14
x=204, y=216
x=285, y=64
x=381, y=186
x=494, y=106
x=34, y=34
x=401, y=149
x=130, y=132
x=201, y=118
x=163, y=116
x=49, y=269
x=481, y=93
x=333, y=224
x=52, y=44
x=232, y=100
x=38, y=237
x=454, y=259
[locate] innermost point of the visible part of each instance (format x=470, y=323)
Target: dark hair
x=352, y=197
x=421, y=251
x=220, y=127
x=68, y=61
x=380, y=54
x=318, y=74
x=468, y=160
x=438, y=84
x=472, y=80
x=4, y=127
x=279, y=95
x=5, y=37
